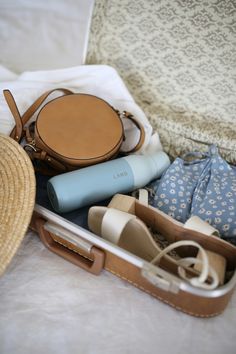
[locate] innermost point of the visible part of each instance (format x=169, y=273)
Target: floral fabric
x=203, y=187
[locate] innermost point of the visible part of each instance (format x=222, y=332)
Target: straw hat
x=17, y=197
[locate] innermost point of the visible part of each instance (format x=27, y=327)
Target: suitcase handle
x=93, y=266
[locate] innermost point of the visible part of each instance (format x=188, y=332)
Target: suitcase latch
x=160, y=278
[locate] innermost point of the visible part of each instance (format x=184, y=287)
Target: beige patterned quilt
x=178, y=59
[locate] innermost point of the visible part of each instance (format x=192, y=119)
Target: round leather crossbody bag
x=71, y=131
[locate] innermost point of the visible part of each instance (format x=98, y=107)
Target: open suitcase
x=69, y=237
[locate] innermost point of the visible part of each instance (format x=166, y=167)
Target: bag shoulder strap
x=17, y=132
x=20, y=121
x=141, y=130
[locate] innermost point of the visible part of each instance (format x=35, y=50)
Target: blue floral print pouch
x=199, y=184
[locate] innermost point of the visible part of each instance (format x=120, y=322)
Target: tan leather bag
x=71, y=131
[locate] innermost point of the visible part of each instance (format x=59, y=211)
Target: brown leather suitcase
x=69, y=237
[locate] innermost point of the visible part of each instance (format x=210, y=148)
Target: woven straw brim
x=17, y=197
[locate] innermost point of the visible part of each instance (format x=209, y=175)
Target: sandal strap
x=206, y=269
x=197, y=224
x=217, y=261
x=143, y=196
x=113, y=224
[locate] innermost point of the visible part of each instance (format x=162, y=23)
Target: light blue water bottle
x=92, y=184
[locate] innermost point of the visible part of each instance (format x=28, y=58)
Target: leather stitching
x=161, y=298
x=148, y=291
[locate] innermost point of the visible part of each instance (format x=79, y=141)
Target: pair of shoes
x=124, y=223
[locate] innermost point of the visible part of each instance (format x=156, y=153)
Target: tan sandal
x=130, y=233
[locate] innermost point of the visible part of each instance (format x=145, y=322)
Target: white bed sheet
x=48, y=305
x=51, y=306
